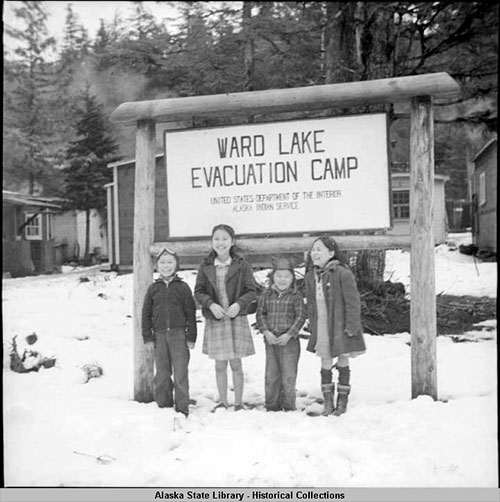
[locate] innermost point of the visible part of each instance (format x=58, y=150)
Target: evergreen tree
x=75, y=41
x=102, y=39
x=73, y=57
x=143, y=24
x=136, y=45
x=86, y=172
x=29, y=150
x=370, y=40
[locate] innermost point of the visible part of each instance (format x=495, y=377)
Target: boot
x=342, y=398
x=328, y=390
x=343, y=389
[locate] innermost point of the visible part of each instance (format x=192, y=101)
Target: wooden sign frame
x=299, y=232
x=420, y=90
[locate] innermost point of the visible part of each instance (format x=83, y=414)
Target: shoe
x=219, y=406
x=239, y=407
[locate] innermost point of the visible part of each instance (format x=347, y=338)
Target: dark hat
x=171, y=253
x=282, y=263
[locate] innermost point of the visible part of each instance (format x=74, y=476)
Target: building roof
x=19, y=199
x=120, y=163
x=438, y=177
x=484, y=148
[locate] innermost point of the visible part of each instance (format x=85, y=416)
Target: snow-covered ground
x=60, y=431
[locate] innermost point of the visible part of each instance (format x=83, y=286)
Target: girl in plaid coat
x=225, y=288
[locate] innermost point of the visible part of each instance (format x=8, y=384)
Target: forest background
x=55, y=98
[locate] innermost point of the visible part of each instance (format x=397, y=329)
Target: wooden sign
x=313, y=145
x=288, y=177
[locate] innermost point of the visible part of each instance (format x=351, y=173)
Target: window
x=482, y=189
x=33, y=230
x=401, y=204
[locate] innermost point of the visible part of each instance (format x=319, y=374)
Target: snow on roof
x=484, y=148
x=440, y=177
x=120, y=163
x=30, y=200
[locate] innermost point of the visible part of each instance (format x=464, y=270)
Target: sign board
x=301, y=176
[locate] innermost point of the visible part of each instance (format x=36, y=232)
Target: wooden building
x=27, y=236
x=69, y=231
x=120, y=205
x=484, y=199
x=400, y=188
x=38, y=236
x=121, y=212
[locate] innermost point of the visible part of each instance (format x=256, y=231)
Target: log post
x=422, y=271
x=144, y=217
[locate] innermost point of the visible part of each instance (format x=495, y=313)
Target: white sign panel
x=304, y=176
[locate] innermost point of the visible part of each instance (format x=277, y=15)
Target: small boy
x=280, y=316
x=169, y=321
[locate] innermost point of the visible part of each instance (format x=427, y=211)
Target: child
x=280, y=315
x=169, y=320
x=225, y=287
x=334, y=312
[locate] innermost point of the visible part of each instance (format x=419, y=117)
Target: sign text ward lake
x=283, y=177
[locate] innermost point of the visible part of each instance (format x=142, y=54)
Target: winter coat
x=281, y=312
x=169, y=307
x=343, y=307
x=240, y=286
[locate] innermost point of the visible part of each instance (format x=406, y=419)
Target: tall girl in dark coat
x=334, y=312
x=225, y=287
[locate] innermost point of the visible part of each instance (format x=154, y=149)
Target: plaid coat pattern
x=281, y=312
x=226, y=338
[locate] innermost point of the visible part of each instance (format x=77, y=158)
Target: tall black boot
x=328, y=389
x=343, y=390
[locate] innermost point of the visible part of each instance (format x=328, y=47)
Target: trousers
x=281, y=375
x=171, y=355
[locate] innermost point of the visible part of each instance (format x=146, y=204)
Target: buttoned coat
x=167, y=307
x=343, y=309
x=240, y=286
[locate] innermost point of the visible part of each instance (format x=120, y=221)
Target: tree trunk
x=340, y=43
x=31, y=187
x=345, y=40
x=86, y=255
x=249, y=49
x=368, y=265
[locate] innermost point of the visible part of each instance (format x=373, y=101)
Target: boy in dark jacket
x=280, y=316
x=169, y=321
